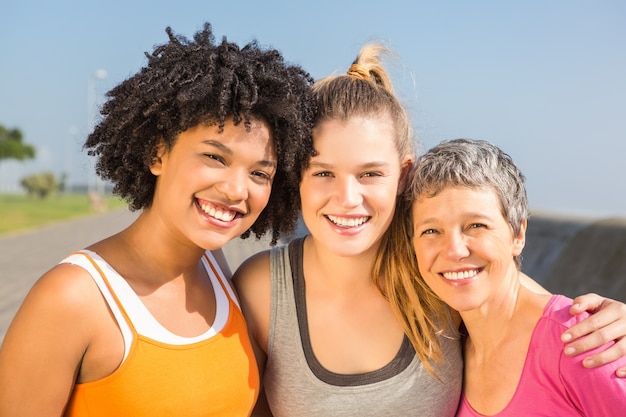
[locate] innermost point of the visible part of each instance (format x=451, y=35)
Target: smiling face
x=212, y=186
x=465, y=247
x=349, y=190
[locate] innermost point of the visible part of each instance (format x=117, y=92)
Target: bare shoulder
x=532, y=285
x=58, y=306
x=253, y=284
x=52, y=329
x=64, y=289
x=253, y=272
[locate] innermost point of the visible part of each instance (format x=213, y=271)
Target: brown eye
x=262, y=175
x=215, y=157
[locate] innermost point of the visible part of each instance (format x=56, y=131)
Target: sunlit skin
x=465, y=250
x=229, y=174
x=348, y=197
x=210, y=188
x=465, y=247
x=457, y=230
x=205, y=196
x=348, y=192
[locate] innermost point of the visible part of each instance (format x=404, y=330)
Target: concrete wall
x=573, y=256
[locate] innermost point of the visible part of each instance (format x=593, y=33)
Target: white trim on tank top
x=144, y=322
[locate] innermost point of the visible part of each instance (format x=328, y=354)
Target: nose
x=348, y=192
x=234, y=186
x=455, y=246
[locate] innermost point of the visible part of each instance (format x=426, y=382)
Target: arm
x=596, y=392
x=252, y=283
x=44, y=346
x=607, y=324
x=262, y=408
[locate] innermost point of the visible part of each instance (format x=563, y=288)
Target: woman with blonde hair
x=343, y=328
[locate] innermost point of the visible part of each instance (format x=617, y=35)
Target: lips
x=347, y=222
x=220, y=213
x=460, y=275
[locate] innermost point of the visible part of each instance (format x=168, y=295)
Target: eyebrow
x=471, y=216
x=218, y=145
x=368, y=165
x=227, y=150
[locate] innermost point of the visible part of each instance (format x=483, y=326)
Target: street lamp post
x=94, y=184
x=72, y=132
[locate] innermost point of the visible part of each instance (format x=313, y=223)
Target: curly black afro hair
x=186, y=83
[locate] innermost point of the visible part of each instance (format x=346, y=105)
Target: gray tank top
x=296, y=384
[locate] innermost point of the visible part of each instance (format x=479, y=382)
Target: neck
x=510, y=315
x=341, y=273
x=163, y=258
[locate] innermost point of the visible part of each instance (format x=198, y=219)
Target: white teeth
x=460, y=275
x=345, y=222
x=224, y=216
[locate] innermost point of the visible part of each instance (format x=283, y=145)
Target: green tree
x=40, y=184
x=12, y=147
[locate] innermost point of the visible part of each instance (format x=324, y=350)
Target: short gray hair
x=473, y=164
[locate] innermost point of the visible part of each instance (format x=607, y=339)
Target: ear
x=405, y=171
x=519, y=241
x=156, y=165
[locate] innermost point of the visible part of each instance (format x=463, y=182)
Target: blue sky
x=544, y=80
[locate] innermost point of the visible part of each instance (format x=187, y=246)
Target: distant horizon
x=83, y=188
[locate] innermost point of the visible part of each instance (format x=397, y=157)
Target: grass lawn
x=21, y=212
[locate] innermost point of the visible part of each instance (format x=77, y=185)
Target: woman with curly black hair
x=203, y=141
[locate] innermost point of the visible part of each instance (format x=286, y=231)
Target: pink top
x=553, y=384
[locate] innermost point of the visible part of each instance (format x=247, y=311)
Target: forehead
x=354, y=135
x=459, y=198
x=253, y=137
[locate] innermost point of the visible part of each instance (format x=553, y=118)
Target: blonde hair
x=366, y=90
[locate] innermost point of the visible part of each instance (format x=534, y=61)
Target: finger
x=597, y=327
x=583, y=345
x=609, y=355
x=588, y=302
x=621, y=372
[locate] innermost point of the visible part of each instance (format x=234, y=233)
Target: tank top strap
x=212, y=266
x=107, y=290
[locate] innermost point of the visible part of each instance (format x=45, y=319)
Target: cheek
x=385, y=196
x=259, y=196
x=424, y=253
x=387, y=200
x=500, y=248
x=311, y=195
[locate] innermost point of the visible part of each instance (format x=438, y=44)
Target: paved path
x=26, y=256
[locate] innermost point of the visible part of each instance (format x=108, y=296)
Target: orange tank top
x=214, y=377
